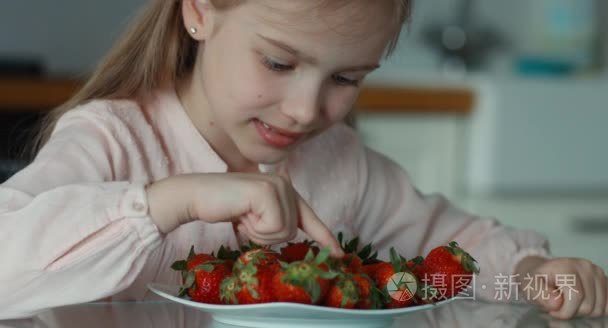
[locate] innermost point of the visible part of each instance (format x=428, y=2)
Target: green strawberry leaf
x=191, y=254
x=254, y=293
x=470, y=264
x=371, y=259
x=395, y=260
x=384, y=295
x=190, y=279
x=182, y=292
x=418, y=260
x=250, y=246
x=227, y=290
x=322, y=256
x=344, y=301
x=284, y=265
x=225, y=253
x=315, y=290
x=179, y=265
x=207, y=267
x=377, y=298
x=310, y=255
x=328, y=275
x=365, y=252
x=351, y=247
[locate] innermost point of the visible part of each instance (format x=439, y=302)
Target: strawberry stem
x=466, y=260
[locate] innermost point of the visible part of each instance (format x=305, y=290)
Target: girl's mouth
x=275, y=136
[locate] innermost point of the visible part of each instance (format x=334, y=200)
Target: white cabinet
x=539, y=135
x=575, y=226
x=435, y=149
x=427, y=146
x=432, y=147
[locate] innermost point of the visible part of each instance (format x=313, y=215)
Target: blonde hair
x=137, y=64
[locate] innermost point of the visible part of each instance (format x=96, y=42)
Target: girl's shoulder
x=105, y=122
x=155, y=112
x=118, y=119
x=104, y=111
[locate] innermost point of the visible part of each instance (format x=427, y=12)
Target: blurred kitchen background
x=499, y=105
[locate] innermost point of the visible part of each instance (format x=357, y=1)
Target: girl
x=217, y=121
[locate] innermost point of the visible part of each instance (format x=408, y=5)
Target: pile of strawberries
x=303, y=273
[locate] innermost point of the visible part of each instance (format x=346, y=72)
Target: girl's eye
x=274, y=66
x=341, y=80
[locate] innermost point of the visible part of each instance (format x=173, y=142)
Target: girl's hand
x=575, y=287
x=265, y=207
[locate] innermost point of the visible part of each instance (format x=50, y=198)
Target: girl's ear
x=197, y=18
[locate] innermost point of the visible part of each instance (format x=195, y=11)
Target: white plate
x=271, y=315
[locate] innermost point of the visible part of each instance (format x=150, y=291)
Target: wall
x=71, y=35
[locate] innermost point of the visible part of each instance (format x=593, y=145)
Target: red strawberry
x=370, y=269
x=449, y=269
x=258, y=256
x=411, y=265
x=344, y=293
x=229, y=289
x=354, y=259
x=304, y=281
x=297, y=251
x=197, y=259
x=370, y=297
x=252, y=280
x=415, y=263
x=250, y=285
x=399, y=295
x=352, y=263
x=202, y=275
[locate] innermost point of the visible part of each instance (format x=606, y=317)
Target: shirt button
x=138, y=206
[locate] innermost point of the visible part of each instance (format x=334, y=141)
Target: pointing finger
x=316, y=229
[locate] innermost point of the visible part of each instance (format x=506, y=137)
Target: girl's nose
x=304, y=105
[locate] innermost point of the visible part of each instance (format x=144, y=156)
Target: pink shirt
x=75, y=224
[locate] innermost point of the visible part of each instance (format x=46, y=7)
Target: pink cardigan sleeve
x=69, y=234
x=393, y=213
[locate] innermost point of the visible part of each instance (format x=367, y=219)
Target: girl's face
x=272, y=74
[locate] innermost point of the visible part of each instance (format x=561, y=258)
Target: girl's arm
x=76, y=237
x=68, y=236
x=393, y=213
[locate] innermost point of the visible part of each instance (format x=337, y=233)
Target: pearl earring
x=193, y=30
